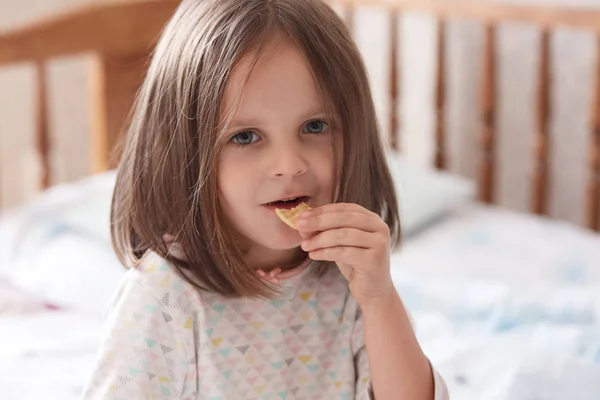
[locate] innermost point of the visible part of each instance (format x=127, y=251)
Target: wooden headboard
x=547, y=19
x=121, y=34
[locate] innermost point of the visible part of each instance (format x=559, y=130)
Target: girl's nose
x=288, y=161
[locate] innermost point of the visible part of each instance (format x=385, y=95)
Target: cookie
x=291, y=216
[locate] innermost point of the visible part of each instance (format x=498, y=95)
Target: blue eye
x=245, y=138
x=316, y=127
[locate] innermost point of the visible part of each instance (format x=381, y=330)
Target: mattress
x=48, y=354
x=506, y=305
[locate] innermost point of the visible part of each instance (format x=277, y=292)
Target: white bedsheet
x=47, y=354
x=506, y=305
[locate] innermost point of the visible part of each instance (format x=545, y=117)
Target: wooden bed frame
x=121, y=33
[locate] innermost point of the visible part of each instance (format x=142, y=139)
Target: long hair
x=167, y=177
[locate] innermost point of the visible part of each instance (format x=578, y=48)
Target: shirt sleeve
x=364, y=389
x=141, y=355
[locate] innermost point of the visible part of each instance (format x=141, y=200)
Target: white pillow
x=57, y=247
x=83, y=205
x=426, y=194
x=70, y=271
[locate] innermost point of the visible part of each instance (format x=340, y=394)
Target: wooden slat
x=119, y=27
x=394, y=82
x=115, y=81
x=593, y=214
x=488, y=115
x=539, y=198
x=440, y=97
x=495, y=12
x=42, y=134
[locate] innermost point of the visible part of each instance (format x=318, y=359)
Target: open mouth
x=287, y=203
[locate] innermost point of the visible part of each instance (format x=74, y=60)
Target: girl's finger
x=306, y=235
x=340, y=237
x=341, y=219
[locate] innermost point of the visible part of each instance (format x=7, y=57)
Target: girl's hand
x=357, y=240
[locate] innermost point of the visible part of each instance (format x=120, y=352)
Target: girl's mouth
x=287, y=203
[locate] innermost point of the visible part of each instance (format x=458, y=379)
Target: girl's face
x=279, y=146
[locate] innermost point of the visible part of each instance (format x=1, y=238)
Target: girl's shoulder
x=157, y=278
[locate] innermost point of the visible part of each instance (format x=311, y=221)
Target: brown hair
x=167, y=180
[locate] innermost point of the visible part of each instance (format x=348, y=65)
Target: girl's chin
x=284, y=240
x=281, y=244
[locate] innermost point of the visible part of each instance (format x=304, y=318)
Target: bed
x=506, y=303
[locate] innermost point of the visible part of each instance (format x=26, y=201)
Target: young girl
x=249, y=106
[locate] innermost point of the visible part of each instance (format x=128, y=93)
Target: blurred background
x=69, y=109
x=505, y=297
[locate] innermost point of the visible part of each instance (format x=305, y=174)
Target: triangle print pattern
x=165, y=340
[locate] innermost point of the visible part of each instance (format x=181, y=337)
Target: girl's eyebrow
x=317, y=112
x=239, y=123
x=243, y=123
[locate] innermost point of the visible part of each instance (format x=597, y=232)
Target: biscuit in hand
x=291, y=216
